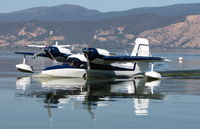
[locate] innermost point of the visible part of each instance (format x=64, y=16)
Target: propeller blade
x=47, y=50
x=86, y=51
x=88, y=62
x=51, y=55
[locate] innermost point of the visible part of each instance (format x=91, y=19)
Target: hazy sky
x=101, y=5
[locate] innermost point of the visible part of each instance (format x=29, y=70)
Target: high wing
x=125, y=59
x=32, y=54
x=26, y=53
x=113, y=59
x=99, y=56
x=53, y=52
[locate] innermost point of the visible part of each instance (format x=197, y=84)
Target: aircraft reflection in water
x=88, y=93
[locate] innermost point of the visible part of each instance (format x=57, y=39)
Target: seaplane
x=96, y=62
x=55, y=52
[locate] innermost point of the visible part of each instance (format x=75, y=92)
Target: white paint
x=64, y=50
x=79, y=73
x=153, y=74
x=103, y=52
x=65, y=72
x=141, y=50
x=111, y=73
x=62, y=83
x=24, y=67
x=81, y=57
x=180, y=59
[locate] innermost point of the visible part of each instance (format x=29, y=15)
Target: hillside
x=176, y=10
x=68, y=12
x=113, y=32
x=55, y=13
x=180, y=35
x=173, y=26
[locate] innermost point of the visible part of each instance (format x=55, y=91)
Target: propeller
x=86, y=51
x=51, y=55
x=48, y=51
x=88, y=63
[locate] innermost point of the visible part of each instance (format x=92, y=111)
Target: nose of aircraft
x=86, y=51
x=46, y=49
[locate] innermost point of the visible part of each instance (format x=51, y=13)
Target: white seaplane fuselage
x=81, y=72
x=96, y=62
x=101, y=68
x=66, y=72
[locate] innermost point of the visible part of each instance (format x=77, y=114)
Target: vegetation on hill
x=173, y=26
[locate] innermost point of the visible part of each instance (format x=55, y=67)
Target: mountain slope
x=77, y=13
x=180, y=35
x=55, y=13
x=110, y=32
x=165, y=11
x=161, y=28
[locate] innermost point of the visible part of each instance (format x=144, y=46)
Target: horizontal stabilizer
x=36, y=46
x=42, y=46
x=64, y=45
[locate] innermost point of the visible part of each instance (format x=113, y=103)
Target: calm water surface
x=41, y=103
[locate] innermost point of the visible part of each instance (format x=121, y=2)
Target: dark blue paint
x=25, y=53
x=92, y=53
x=59, y=67
x=131, y=58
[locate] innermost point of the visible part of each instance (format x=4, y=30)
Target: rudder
x=141, y=48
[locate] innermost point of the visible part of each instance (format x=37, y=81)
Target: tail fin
x=141, y=49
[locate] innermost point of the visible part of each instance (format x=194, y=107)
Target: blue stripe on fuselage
x=109, y=67
x=60, y=67
x=93, y=67
x=130, y=58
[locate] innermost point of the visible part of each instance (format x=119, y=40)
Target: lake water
x=55, y=103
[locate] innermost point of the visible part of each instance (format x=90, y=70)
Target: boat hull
x=82, y=73
x=110, y=73
x=66, y=72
